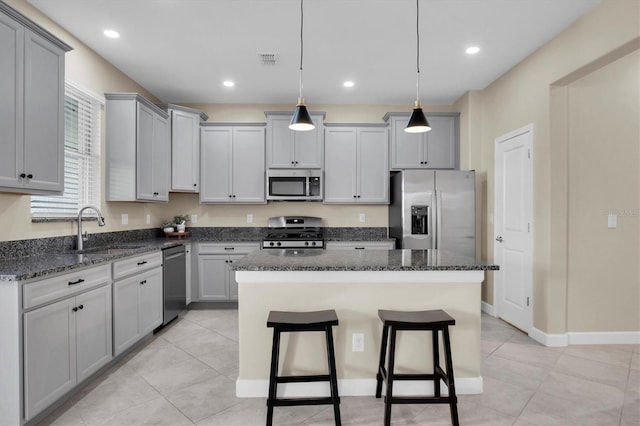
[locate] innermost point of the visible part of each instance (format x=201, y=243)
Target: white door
x=513, y=237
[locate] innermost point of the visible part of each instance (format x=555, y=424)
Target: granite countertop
x=358, y=260
x=27, y=267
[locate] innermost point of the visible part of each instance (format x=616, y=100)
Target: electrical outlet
x=249, y=218
x=612, y=220
x=357, y=342
x=148, y=219
x=194, y=218
x=125, y=219
x=362, y=217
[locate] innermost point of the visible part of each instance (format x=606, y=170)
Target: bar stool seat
x=435, y=321
x=282, y=322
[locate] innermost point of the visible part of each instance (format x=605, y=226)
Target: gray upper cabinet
x=289, y=149
x=232, y=163
x=356, y=165
x=185, y=147
x=436, y=149
x=137, y=139
x=31, y=106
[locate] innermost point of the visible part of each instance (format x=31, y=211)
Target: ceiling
x=183, y=50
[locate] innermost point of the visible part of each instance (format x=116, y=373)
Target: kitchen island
x=356, y=284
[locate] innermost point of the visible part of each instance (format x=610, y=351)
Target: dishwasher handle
x=173, y=256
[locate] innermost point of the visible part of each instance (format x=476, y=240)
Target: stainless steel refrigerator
x=434, y=209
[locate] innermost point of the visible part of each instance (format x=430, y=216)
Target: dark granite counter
x=358, y=260
x=27, y=267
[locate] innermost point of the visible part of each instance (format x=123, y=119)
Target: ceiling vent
x=268, y=58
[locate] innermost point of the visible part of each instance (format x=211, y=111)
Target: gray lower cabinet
x=436, y=149
x=232, y=164
x=356, y=165
x=31, y=106
x=137, y=299
x=216, y=280
x=65, y=341
x=360, y=245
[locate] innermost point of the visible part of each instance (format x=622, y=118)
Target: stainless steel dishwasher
x=173, y=282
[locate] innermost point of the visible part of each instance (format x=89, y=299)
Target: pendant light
x=417, y=122
x=301, y=120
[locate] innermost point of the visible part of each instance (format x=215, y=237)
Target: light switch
x=612, y=220
x=249, y=218
x=125, y=219
x=362, y=217
x=194, y=218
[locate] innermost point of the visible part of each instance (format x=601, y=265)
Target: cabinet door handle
x=195, y=184
x=75, y=309
x=81, y=307
x=144, y=262
x=23, y=175
x=143, y=282
x=29, y=176
x=80, y=280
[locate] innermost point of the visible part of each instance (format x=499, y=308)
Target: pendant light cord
x=301, y=42
x=417, y=51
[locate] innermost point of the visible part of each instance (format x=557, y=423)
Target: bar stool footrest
x=421, y=400
x=287, y=402
x=423, y=376
x=300, y=379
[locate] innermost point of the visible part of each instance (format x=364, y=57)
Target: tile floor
x=186, y=375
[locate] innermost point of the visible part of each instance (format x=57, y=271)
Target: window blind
x=81, y=158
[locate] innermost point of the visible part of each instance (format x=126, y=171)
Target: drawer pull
x=229, y=248
x=359, y=248
x=142, y=263
x=80, y=280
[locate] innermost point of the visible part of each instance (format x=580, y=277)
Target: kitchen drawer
x=60, y=286
x=360, y=245
x=227, y=248
x=132, y=265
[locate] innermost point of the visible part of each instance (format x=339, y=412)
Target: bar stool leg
x=436, y=362
x=332, y=375
x=383, y=355
x=453, y=399
x=389, y=397
x=275, y=353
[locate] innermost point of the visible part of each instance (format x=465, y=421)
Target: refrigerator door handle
x=438, y=238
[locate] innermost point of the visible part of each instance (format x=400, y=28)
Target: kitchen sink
x=108, y=250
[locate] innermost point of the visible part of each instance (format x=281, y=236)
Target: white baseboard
x=549, y=340
x=586, y=338
x=352, y=387
x=488, y=309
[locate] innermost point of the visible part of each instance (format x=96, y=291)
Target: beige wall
x=520, y=97
x=604, y=176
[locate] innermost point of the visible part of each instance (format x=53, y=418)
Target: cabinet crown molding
x=124, y=96
x=167, y=107
x=19, y=17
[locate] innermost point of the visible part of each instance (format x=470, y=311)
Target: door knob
x=499, y=239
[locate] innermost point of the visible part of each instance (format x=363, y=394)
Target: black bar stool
x=434, y=321
x=283, y=322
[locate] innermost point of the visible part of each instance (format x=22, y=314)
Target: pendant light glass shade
x=301, y=120
x=417, y=122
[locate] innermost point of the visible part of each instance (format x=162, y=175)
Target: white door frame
x=497, y=283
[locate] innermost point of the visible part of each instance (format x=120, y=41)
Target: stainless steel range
x=287, y=232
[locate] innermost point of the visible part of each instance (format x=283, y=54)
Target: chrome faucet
x=83, y=238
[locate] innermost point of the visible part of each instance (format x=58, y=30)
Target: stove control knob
x=271, y=244
x=278, y=243
x=313, y=243
x=306, y=243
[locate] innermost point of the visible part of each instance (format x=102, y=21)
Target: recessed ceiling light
x=228, y=83
x=348, y=84
x=472, y=50
x=111, y=33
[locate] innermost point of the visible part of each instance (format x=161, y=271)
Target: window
x=81, y=158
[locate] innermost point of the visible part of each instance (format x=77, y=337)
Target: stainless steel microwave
x=294, y=184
